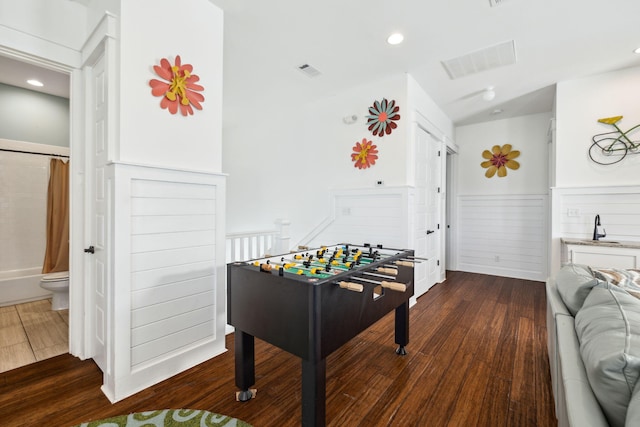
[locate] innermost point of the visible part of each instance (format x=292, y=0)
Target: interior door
x=428, y=231
x=97, y=196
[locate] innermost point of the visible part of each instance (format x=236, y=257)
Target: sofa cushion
x=633, y=411
x=574, y=282
x=608, y=328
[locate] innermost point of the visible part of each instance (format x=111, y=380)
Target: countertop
x=603, y=243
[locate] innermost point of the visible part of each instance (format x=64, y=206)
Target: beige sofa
x=593, y=326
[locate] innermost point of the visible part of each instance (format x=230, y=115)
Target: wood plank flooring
x=31, y=332
x=477, y=357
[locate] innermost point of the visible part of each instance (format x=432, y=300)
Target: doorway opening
x=45, y=333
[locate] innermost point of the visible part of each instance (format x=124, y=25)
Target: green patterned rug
x=169, y=418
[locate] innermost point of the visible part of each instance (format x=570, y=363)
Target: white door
x=428, y=231
x=97, y=197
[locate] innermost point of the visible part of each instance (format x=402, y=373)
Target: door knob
x=430, y=231
x=90, y=250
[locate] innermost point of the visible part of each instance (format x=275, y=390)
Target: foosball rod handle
x=357, y=287
x=404, y=263
x=401, y=287
x=392, y=271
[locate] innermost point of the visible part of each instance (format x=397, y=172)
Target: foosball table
x=311, y=302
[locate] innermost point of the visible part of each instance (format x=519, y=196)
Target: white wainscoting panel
x=503, y=235
x=375, y=216
x=169, y=291
x=619, y=210
x=574, y=211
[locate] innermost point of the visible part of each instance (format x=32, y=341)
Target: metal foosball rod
x=334, y=262
x=268, y=267
x=381, y=276
x=347, y=256
x=359, y=255
x=394, y=286
x=348, y=267
x=318, y=264
x=406, y=262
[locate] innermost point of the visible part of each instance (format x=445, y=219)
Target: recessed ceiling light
x=637, y=50
x=34, y=82
x=395, y=38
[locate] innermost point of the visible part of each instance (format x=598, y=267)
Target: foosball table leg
x=402, y=328
x=313, y=392
x=245, y=365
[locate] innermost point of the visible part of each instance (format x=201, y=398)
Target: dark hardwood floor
x=477, y=357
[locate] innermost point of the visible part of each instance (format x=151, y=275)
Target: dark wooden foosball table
x=311, y=302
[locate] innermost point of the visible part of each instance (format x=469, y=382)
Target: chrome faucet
x=596, y=235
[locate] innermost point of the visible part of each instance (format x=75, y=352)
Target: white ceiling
x=16, y=73
x=345, y=40
x=265, y=42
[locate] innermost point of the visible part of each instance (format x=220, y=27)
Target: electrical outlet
x=573, y=212
x=496, y=258
x=379, y=183
x=346, y=211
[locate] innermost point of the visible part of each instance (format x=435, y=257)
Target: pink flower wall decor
x=382, y=117
x=365, y=154
x=180, y=89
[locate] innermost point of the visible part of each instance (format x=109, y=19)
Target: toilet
x=58, y=285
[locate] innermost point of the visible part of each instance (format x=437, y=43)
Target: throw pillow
x=574, y=282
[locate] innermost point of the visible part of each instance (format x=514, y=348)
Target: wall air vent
x=309, y=70
x=481, y=60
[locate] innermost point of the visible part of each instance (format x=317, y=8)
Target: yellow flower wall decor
x=499, y=159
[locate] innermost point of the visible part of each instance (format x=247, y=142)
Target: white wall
x=580, y=103
x=421, y=103
x=53, y=30
x=285, y=168
x=528, y=134
x=58, y=21
x=148, y=133
x=584, y=188
x=502, y=222
x=27, y=115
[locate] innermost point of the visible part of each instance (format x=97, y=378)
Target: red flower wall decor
x=365, y=154
x=383, y=116
x=180, y=89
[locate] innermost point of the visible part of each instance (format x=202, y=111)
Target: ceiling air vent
x=481, y=60
x=309, y=70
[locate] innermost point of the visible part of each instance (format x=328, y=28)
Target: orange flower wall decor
x=180, y=89
x=499, y=159
x=365, y=154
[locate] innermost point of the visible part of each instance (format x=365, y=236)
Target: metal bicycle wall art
x=611, y=147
